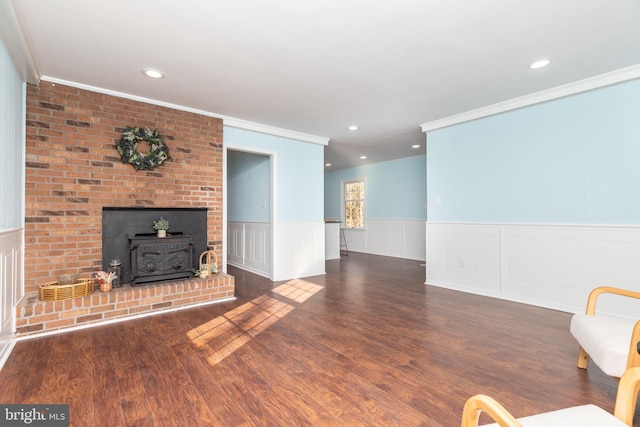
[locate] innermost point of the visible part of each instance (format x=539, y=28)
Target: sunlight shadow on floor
x=298, y=290
x=225, y=334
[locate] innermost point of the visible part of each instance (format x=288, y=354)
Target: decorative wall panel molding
x=553, y=266
x=11, y=287
x=389, y=237
x=249, y=246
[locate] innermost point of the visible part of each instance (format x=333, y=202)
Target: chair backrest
x=475, y=405
x=625, y=407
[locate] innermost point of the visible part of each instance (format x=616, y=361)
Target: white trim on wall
x=256, y=127
x=18, y=46
x=399, y=238
x=613, y=77
x=11, y=287
x=547, y=265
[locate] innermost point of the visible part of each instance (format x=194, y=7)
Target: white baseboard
x=498, y=295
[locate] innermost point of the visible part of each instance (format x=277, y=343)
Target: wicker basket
x=56, y=292
x=205, y=258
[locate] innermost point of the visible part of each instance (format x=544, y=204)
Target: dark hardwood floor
x=366, y=345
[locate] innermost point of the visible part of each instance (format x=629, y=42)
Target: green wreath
x=128, y=148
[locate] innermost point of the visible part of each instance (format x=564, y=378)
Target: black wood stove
x=128, y=236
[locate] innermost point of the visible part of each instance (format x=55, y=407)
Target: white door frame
x=273, y=196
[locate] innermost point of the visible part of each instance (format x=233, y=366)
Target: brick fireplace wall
x=73, y=170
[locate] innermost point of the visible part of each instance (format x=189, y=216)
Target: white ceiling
x=318, y=66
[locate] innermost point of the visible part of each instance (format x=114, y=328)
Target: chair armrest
x=627, y=396
x=633, y=359
x=594, y=294
x=480, y=402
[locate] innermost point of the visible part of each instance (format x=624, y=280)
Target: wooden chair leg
x=583, y=359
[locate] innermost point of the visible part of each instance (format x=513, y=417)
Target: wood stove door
x=155, y=259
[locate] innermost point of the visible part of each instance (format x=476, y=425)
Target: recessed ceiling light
x=327, y=164
x=540, y=64
x=415, y=146
x=353, y=127
x=363, y=157
x=153, y=73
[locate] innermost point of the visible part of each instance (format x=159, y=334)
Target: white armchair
x=611, y=342
x=583, y=416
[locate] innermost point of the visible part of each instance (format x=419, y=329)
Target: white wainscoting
x=299, y=250
x=249, y=246
x=553, y=266
x=389, y=237
x=11, y=287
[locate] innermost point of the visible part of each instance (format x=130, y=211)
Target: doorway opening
x=249, y=210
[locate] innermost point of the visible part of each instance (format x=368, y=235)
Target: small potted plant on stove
x=162, y=225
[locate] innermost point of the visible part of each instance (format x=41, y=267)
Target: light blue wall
x=571, y=160
x=248, y=182
x=12, y=128
x=395, y=189
x=299, y=170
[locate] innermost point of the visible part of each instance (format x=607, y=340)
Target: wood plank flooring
x=366, y=345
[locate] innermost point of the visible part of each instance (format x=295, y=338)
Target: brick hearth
x=36, y=316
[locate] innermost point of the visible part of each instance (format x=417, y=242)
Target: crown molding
x=227, y=121
x=257, y=127
x=16, y=43
x=613, y=77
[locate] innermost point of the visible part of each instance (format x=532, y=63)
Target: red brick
x=162, y=305
x=28, y=329
x=74, y=313
x=102, y=308
x=141, y=309
x=44, y=318
x=57, y=324
x=89, y=318
x=116, y=313
x=126, y=304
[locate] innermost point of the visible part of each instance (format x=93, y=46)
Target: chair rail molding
x=547, y=265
